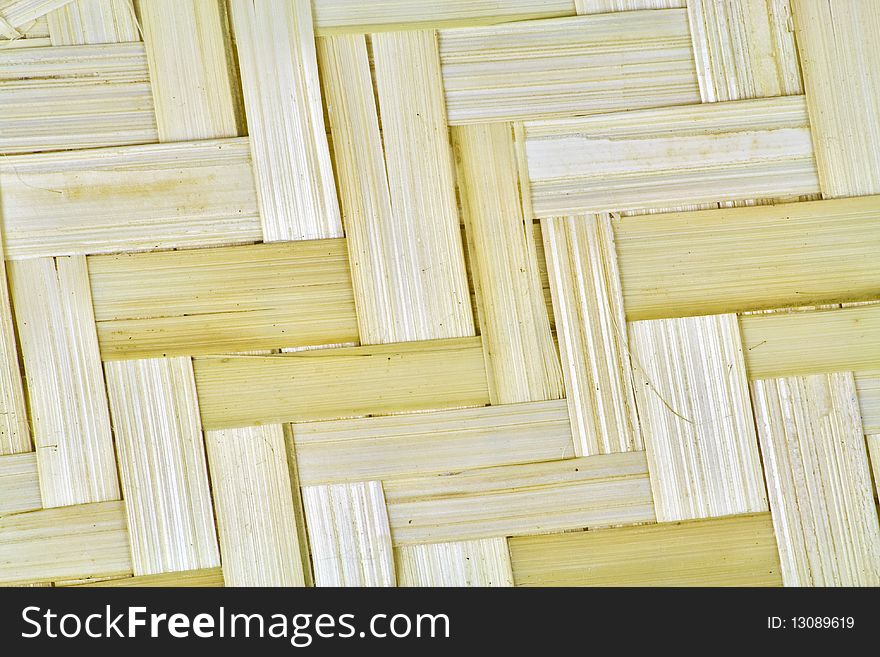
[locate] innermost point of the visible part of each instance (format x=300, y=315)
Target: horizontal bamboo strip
x=841, y=64
x=693, y=404
x=15, y=434
x=255, y=509
x=201, y=578
x=74, y=97
x=819, y=480
x=75, y=542
x=752, y=258
x=349, y=534
x=604, y=6
x=781, y=344
x=669, y=157
x=71, y=421
x=595, y=491
x=484, y=562
x=568, y=66
x=422, y=443
x=128, y=198
x=209, y=301
x=19, y=483
x=93, y=21
x=18, y=13
x=734, y=551
x=327, y=384
x=868, y=387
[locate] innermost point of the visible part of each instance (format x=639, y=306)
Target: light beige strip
x=202, y=578
x=605, y=6
x=17, y=13
x=93, y=21
x=868, y=387
x=71, y=423
x=484, y=562
x=15, y=436
x=874, y=456
x=819, y=480
x=34, y=34
x=19, y=483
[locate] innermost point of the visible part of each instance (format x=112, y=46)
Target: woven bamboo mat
x=440, y=292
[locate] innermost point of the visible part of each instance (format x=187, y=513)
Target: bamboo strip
x=71, y=422
x=588, y=305
x=521, y=360
x=349, y=534
x=605, y=6
x=128, y=198
x=380, y=448
x=255, y=509
x=819, y=480
x=30, y=35
x=19, y=483
x=836, y=40
x=568, y=66
x=192, y=69
x=74, y=97
x=209, y=301
x=162, y=465
x=596, y=491
x=874, y=457
x=734, y=551
x=669, y=157
x=18, y=13
x=785, y=344
x=693, y=402
x=87, y=540
x=15, y=436
x=726, y=260
x=328, y=384
x=282, y=96
x=201, y=578
x=484, y=562
x=868, y=387
x=93, y=21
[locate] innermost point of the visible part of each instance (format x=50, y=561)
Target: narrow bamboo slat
x=381, y=448
x=86, y=540
x=255, y=510
x=841, y=65
x=19, y=483
x=693, y=403
x=521, y=360
x=819, y=480
x=15, y=436
x=484, y=562
x=18, y=13
x=605, y=6
x=93, y=21
x=874, y=457
x=128, y=198
x=74, y=97
x=587, y=302
x=868, y=388
x=668, y=157
x=328, y=384
x=71, y=422
x=207, y=577
x=568, y=66
x=34, y=34
x=596, y=491
x=349, y=534
x=734, y=551
x=209, y=301
x=282, y=95
x=751, y=258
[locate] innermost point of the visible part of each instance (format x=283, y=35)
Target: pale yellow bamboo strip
x=74, y=97
x=195, y=85
x=443, y=441
x=202, y=578
x=71, y=422
x=344, y=382
x=726, y=260
x=19, y=483
x=521, y=360
x=87, y=540
x=18, y=13
x=868, y=387
x=93, y=21
x=34, y=34
x=349, y=534
x=282, y=95
x=596, y=491
x=841, y=64
x=734, y=551
x=784, y=344
x=744, y=49
x=568, y=66
x=15, y=434
x=819, y=480
x=255, y=508
x=128, y=198
x=604, y=6
x=590, y=324
x=162, y=465
x=203, y=301
x=669, y=157
x=874, y=458
x=696, y=417
x=484, y=562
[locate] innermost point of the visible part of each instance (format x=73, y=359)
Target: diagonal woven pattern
x=419, y=293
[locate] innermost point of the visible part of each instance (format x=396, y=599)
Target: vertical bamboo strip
x=59, y=344
x=93, y=21
x=14, y=431
x=482, y=562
